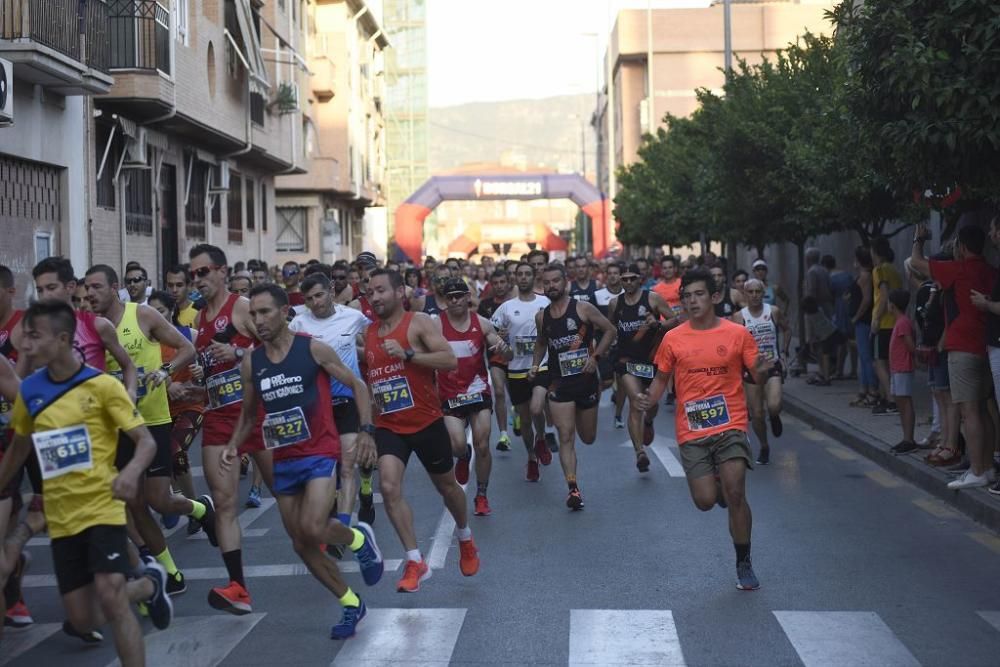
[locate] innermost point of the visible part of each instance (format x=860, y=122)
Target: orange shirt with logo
x=708, y=377
x=670, y=292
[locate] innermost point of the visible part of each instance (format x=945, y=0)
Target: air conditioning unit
x=6, y=93
x=135, y=150
x=220, y=177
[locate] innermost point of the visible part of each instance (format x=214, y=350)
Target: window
x=106, y=183
x=257, y=105
x=292, y=230
x=194, y=209
x=263, y=207
x=182, y=21
x=43, y=246
x=138, y=202
x=251, y=217
x=234, y=201
x=216, y=211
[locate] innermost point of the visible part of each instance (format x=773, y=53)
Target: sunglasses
x=340, y=278
x=203, y=271
x=134, y=281
x=629, y=279
x=289, y=274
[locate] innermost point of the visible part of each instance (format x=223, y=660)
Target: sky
x=488, y=50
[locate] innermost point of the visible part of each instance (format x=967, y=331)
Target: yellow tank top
x=145, y=354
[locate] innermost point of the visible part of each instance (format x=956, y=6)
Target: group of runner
x=319, y=394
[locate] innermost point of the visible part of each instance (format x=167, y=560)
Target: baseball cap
x=456, y=285
x=632, y=269
x=759, y=263
x=367, y=259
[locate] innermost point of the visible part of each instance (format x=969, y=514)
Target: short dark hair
x=863, y=256
x=527, y=264
x=498, y=273
x=61, y=315
x=539, y=251
x=178, y=268
x=6, y=277
x=60, y=266
x=316, y=267
x=665, y=258
x=109, y=273
x=973, y=237
x=290, y=262
x=699, y=274
x=617, y=265
x=395, y=278
x=279, y=295
x=900, y=298
x=413, y=272
x=233, y=279
x=313, y=279
x=214, y=252
x=881, y=247
x=163, y=297
x=555, y=266
x=740, y=272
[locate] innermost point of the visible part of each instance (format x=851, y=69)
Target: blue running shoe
x=169, y=520
x=159, y=605
x=369, y=556
x=348, y=622
x=746, y=580
x=253, y=498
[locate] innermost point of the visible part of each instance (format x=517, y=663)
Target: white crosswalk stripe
x=991, y=617
x=197, y=641
x=16, y=642
x=623, y=637
x=403, y=637
x=664, y=448
x=246, y=519
x=838, y=638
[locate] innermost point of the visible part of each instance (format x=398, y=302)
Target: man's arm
x=15, y=456
x=248, y=416
x=589, y=313
x=437, y=354
x=9, y=382
x=163, y=331
x=541, y=344
x=325, y=356
x=496, y=344
x=781, y=321
x=663, y=309
x=918, y=262
x=109, y=337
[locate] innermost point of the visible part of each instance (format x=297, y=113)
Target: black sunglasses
x=134, y=281
x=629, y=279
x=202, y=272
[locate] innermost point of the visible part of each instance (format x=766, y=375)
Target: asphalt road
x=857, y=568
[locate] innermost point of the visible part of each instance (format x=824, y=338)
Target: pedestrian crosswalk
x=596, y=637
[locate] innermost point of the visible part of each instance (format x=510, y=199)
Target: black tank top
x=570, y=340
x=636, y=339
x=431, y=305
x=588, y=293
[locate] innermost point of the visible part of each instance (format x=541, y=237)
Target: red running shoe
x=531, y=472
x=647, y=433
x=468, y=561
x=542, y=452
x=482, y=506
x=233, y=598
x=413, y=574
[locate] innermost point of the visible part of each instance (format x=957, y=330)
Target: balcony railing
x=96, y=32
x=54, y=23
x=140, y=35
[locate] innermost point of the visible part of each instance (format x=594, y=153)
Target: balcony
x=140, y=35
x=59, y=44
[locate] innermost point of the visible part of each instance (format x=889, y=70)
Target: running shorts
x=432, y=446
x=292, y=475
x=703, y=456
x=76, y=558
x=520, y=388
x=585, y=391
x=162, y=464
x=345, y=416
x=466, y=411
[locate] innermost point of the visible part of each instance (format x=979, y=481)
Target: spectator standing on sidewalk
x=840, y=289
x=860, y=308
x=965, y=341
x=885, y=278
x=901, y=349
x=824, y=338
x=991, y=306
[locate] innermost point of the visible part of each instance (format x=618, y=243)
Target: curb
x=977, y=504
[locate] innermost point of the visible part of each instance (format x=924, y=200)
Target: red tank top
x=87, y=342
x=366, y=308
x=6, y=334
x=469, y=380
x=222, y=379
x=404, y=392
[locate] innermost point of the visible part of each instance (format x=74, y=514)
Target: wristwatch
x=409, y=354
x=368, y=428
x=239, y=352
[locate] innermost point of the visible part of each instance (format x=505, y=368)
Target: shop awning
x=254, y=59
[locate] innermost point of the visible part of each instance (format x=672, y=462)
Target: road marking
x=623, y=637
x=218, y=573
x=197, y=641
x=814, y=435
x=988, y=540
x=842, y=453
x=837, y=638
x=16, y=642
x=935, y=508
x=882, y=478
x=991, y=617
x=403, y=637
x=661, y=447
x=246, y=518
x=442, y=541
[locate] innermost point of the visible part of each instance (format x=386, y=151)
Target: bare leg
x=732, y=473
x=107, y=601
x=499, y=378
x=629, y=385
x=453, y=496
x=224, y=487
x=348, y=480
x=306, y=519
x=906, y=416
x=390, y=477
x=755, y=399
x=480, y=423
x=564, y=416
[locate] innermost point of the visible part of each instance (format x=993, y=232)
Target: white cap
x=758, y=263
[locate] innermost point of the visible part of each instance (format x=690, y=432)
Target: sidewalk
x=826, y=409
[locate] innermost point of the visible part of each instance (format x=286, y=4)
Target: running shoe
x=253, y=498
x=462, y=466
x=885, y=409
x=207, y=521
x=969, y=480
x=542, y=453
x=574, y=500
x=764, y=457
x=413, y=574
x=516, y=424
x=233, y=598
x=349, y=622
x=161, y=608
x=904, y=446
x=18, y=616
x=503, y=444
x=369, y=556
x=777, y=428
x=468, y=560
x=194, y=526
x=482, y=505
x=91, y=637
x=168, y=521
x=176, y=584
x=553, y=444
x=531, y=473
x=746, y=580
x=647, y=433
x=619, y=422
x=366, y=508
x=995, y=488
x=642, y=462
x=12, y=591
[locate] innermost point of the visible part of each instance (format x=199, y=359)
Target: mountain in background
x=535, y=133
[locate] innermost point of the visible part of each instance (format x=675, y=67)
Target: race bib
x=524, y=345
x=573, y=361
x=224, y=388
x=140, y=386
x=285, y=428
x=707, y=413
x=464, y=399
x=640, y=370
x=393, y=395
x=63, y=450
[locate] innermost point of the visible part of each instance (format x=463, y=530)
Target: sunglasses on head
x=203, y=271
x=134, y=281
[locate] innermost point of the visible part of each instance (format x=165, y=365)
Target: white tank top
x=764, y=331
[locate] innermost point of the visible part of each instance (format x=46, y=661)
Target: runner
x=583, y=287
x=402, y=351
x=433, y=302
x=141, y=330
x=342, y=290
x=516, y=318
x=766, y=323
x=11, y=601
x=566, y=331
x=225, y=333
x=465, y=391
x=705, y=356
x=611, y=289
x=669, y=284
x=538, y=259
x=341, y=329
x=179, y=285
x=636, y=316
x=70, y=414
x=725, y=307
x=289, y=375
x=500, y=292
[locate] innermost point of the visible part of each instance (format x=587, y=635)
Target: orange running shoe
x=482, y=505
x=413, y=574
x=468, y=562
x=233, y=598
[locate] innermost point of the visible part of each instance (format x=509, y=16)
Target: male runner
x=538, y=259
x=290, y=276
x=290, y=377
x=12, y=562
x=433, y=302
x=402, y=351
x=766, y=323
x=566, y=329
x=725, y=307
x=225, y=334
x=141, y=330
x=10, y=317
x=179, y=285
x=636, y=316
x=136, y=283
x=705, y=356
x=465, y=391
x=343, y=293
x=500, y=291
x=612, y=288
x=70, y=414
x=516, y=319
x=669, y=284
x=340, y=328
x=583, y=287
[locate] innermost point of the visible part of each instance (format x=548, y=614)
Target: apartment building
x=335, y=209
x=53, y=55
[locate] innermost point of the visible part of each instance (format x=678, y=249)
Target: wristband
x=368, y=428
